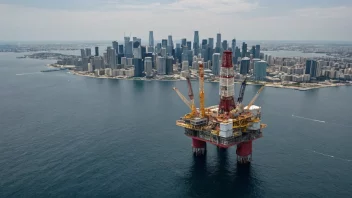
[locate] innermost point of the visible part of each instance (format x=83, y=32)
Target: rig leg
x=198, y=147
x=244, y=152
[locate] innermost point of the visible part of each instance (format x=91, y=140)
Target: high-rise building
x=151, y=39
x=189, y=45
x=244, y=49
x=244, y=67
x=216, y=64
x=196, y=42
x=115, y=45
x=204, y=43
x=98, y=62
x=237, y=55
x=120, y=51
x=148, y=66
x=311, y=68
x=218, y=40
x=150, y=49
x=137, y=52
x=163, y=52
x=129, y=52
x=111, y=58
x=124, y=61
x=127, y=40
x=119, y=57
x=164, y=43
x=260, y=70
x=83, y=53
x=85, y=63
x=96, y=51
x=169, y=65
x=143, y=51
x=170, y=41
x=211, y=43
x=253, y=51
x=257, y=51
x=190, y=57
x=138, y=67
x=224, y=45
x=185, y=65
x=178, y=52
x=88, y=52
x=161, y=65
x=158, y=48
x=233, y=47
x=183, y=42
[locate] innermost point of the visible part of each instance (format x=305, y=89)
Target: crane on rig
x=183, y=98
x=201, y=90
x=254, y=98
x=243, y=88
x=191, y=97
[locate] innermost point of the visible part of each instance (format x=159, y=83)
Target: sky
x=71, y=20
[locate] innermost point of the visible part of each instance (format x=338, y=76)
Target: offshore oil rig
x=227, y=124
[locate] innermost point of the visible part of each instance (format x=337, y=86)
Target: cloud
x=214, y=6
x=325, y=13
x=233, y=18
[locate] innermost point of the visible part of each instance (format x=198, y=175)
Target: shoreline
x=249, y=83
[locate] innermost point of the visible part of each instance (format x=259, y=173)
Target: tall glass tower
x=151, y=38
x=196, y=43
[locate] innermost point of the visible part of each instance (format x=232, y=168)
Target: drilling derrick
x=227, y=86
x=226, y=124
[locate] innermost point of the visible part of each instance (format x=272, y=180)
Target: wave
x=27, y=73
x=308, y=119
x=331, y=156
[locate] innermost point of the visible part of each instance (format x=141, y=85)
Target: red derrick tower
x=227, y=87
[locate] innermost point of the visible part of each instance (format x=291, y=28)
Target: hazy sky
x=109, y=19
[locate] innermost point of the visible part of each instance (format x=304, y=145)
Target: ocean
x=63, y=135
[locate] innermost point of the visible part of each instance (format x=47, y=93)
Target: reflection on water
x=222, y=178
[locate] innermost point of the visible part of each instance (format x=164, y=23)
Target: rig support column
x=198, y=147
x=244, y=152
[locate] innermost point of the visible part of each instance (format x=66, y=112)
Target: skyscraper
x=178, y=52
x=161, y=65
x=224, y=45
x=216, y=64
x=311, y=68
x=111, y=58
x=169, y=41
x=260, y=70
x=115, y=45
x=88, y=52
x=196, y=43
x=164, y=43
x=204, y=43
x=218, y=43
x=138, y=67
x=120, y=49
x=237, y=55
x=244, y=49
x=129, y=47
x=253, y=51
x=151, y=38
x=148, y=66
x=127, y=40
x=211, y=43
x=233, y=47
x=257, y=51
x=169, y=65
x=96, y=51
x=189, y=45
x=183, y=42
x=218, y=40
x=83, y=53
x=244, y=67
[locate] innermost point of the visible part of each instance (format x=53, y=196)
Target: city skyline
x=39, y=20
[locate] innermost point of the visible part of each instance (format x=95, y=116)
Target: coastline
x=249, y=83
x=305, y=87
